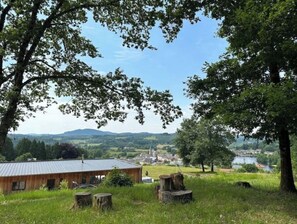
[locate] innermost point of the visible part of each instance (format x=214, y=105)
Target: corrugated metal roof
x=60, y=166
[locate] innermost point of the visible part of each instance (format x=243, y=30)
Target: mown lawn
x=216, y=200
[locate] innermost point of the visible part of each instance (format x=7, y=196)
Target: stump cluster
x=172, y=189
x=101, y=201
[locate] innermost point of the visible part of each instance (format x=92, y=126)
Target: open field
x=217, y=200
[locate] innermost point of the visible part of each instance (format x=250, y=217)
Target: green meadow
x=216, y=200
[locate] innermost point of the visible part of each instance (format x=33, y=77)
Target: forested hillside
x=107, y=140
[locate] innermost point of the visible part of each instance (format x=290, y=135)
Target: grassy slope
x=217, y=200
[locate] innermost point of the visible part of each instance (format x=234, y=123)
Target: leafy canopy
x=253, y=85
x=42, y=50
x=204, y=141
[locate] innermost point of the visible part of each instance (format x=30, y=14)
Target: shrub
x=43, y=187
x=241, y=170
x=117, y=178
x=249, y=168
x=24, y=157
x=63, y=185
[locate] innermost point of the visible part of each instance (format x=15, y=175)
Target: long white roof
x=61, y=166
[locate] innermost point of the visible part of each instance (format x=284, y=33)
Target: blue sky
x=165, y=68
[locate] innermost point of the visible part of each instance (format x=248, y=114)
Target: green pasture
x=216, y=200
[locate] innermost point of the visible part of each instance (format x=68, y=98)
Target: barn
x=18, y=176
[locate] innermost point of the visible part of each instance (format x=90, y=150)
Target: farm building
x=32, y=175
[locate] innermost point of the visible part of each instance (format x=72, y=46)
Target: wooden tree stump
x=177, y=181
x=172, y=189
x=103, y=201
x=182, y=196
x=83, y=199
x=165, y=183
x=243, y=184
x=165, y=196
x=175, y=196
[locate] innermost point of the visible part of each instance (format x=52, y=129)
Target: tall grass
x=216, y=200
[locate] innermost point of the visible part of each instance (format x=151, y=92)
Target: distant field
x=216, y=200
x=152, y=138
x=156, y=171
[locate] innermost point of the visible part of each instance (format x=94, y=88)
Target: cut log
x=175, y=196
x=182, y=196
x=243, y=184
x=103, y=201
x=165, y=183
x=165, y=196
x=83, y=199
x=177, y=181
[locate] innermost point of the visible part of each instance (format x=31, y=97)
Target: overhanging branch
x=59, y=75
x=4, y=14
x=83, y=6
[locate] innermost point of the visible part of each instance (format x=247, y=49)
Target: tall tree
x=42, y=48
x=253, y=86
x=41, y=151
x=67, y=151
x=51, y=151
x=8, y=152
x=204, y=142
x=23, y=146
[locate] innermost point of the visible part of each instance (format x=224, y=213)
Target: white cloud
x=128, y=55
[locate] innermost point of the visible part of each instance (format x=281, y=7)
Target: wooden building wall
x=36, y=181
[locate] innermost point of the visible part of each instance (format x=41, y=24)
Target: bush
x=117, y=178
x=63, y=185
x=43, y=187
x=241, y=170
x=24, y=157
x=248, y=168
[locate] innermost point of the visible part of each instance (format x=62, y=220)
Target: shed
x=18, y=176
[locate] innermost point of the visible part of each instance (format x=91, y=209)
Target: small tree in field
x=204, y=142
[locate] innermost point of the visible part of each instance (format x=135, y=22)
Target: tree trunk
x=8, y=118
x=82, y=199
x=202, y=165
x=287, y=180
x=212, y=167
x=103, y=201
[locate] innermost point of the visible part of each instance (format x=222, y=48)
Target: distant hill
x=104, y=138
x=86, y=132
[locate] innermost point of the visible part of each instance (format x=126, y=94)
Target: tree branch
x=59, y=75
x=4, y=14
x=43, y=62
x=83, y=6
x=2, y=22
x=46, y=25
x=29, y=32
